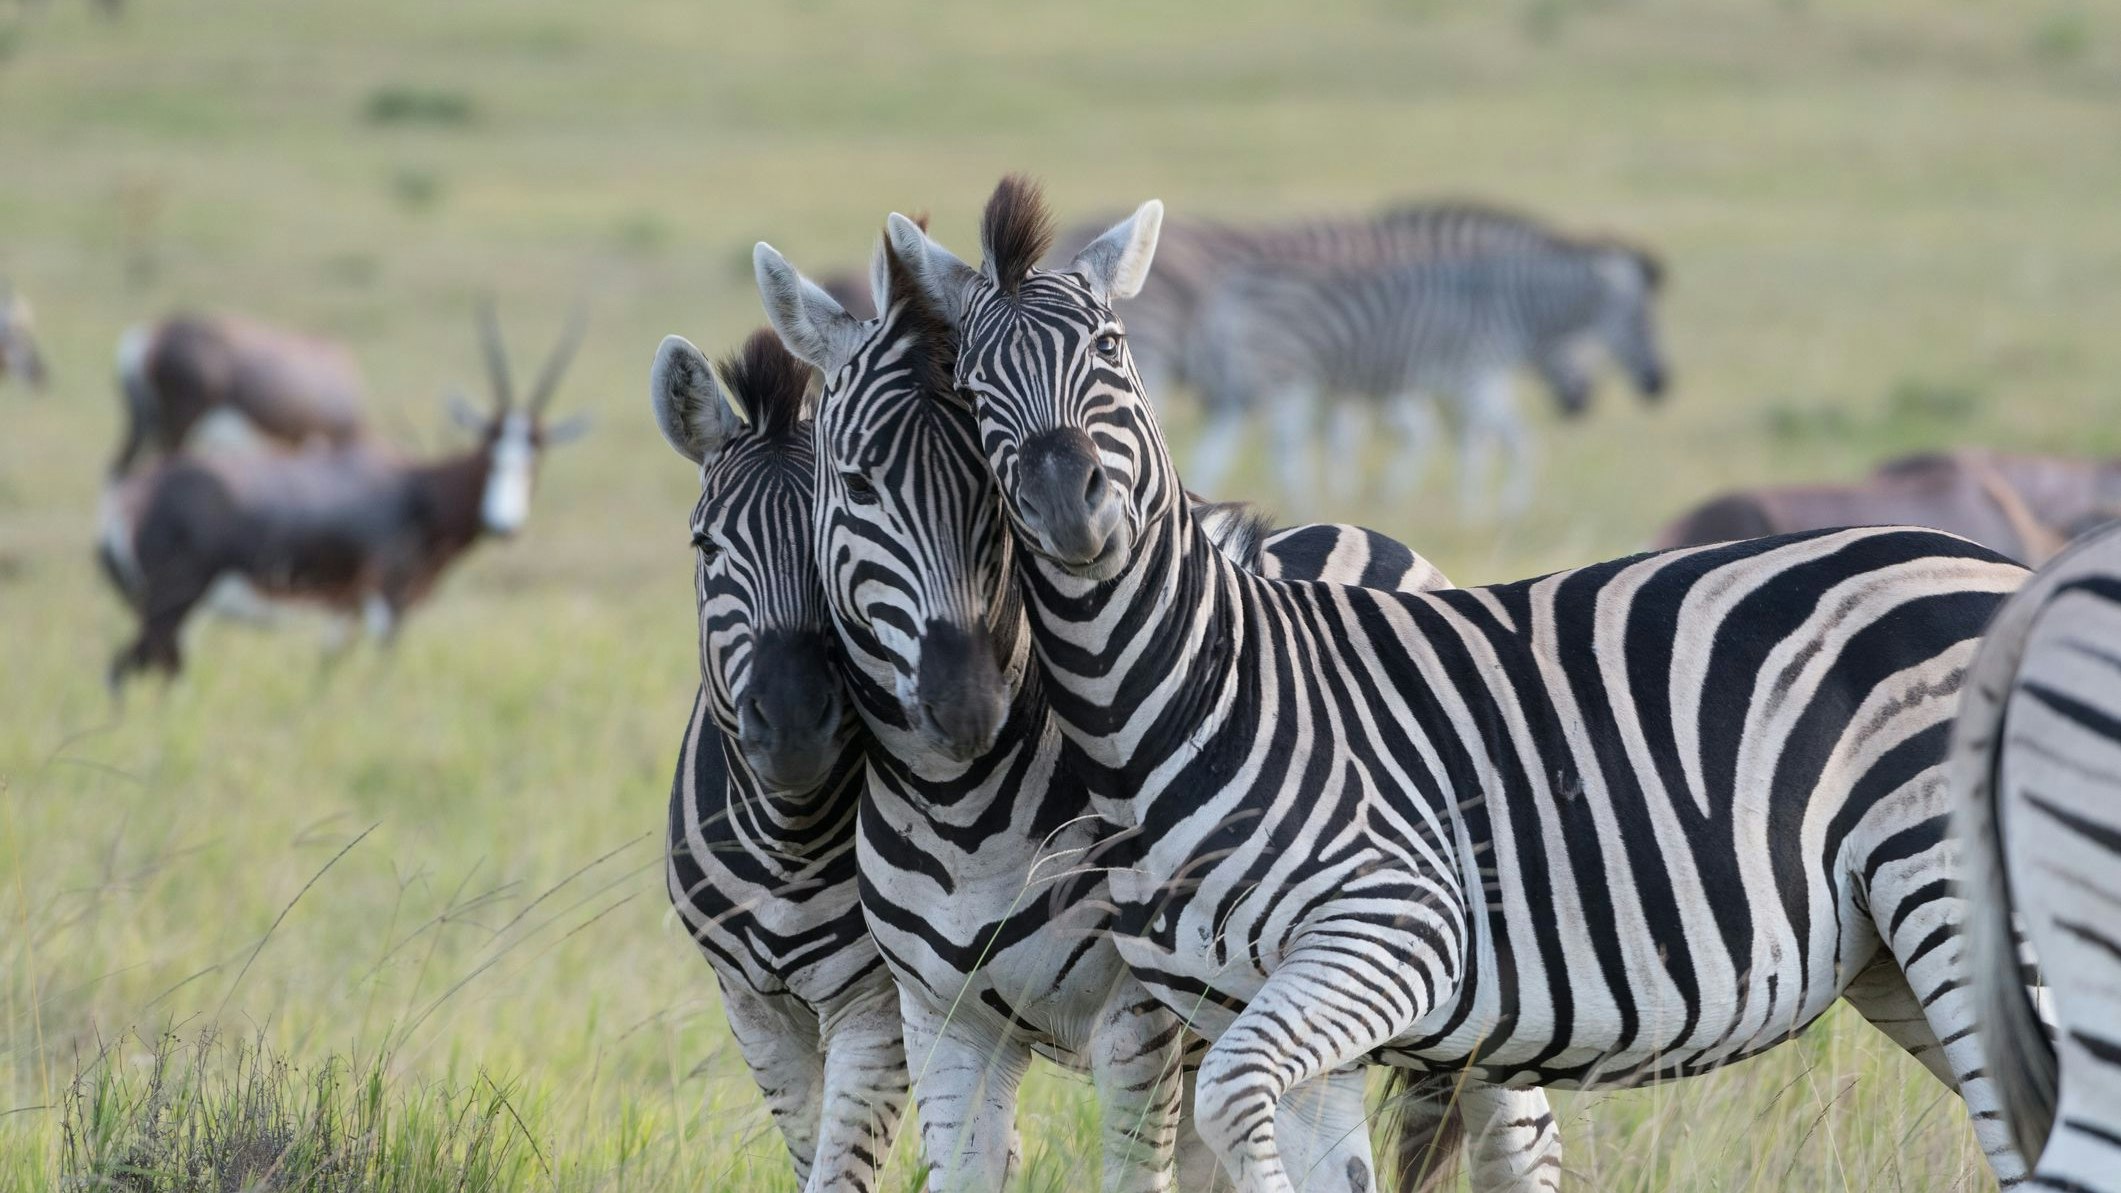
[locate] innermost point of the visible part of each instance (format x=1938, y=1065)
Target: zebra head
x=19, y=357
x=765, y=645
x=1063, y=421
x=1623, y=282
x=912, y=550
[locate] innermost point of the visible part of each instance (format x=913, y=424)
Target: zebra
x=974, y=837
x=1280, y=339
x=1197, y=260
x=1625, y=822
x=761, y=863
x=2036, y=765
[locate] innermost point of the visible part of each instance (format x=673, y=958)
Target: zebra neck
x=794, y=829
x=1139, y=666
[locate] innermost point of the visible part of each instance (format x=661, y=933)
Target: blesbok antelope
x=347, y=527
x=2024, y=506
x=19, y=357
x=224, y=377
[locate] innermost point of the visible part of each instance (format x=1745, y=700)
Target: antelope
x=192, y=379
x=2024, y=506
x=348, y=527
x=19, y=357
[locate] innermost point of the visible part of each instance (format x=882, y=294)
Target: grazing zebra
x=19, y=357
x=2036, y=762
x=977, y=843
x=1197, y=260
x=762, y=811
x=1630, y=821
x=1280, y=339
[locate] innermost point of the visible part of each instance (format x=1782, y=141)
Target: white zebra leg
x=1255, y=1061
x=1199, y=1170
x=1135, y=1060
x=1295, y=421
x=965, y=1078
x=781, y=1050
x=1923, y=922
x=1513, y=1144
x=1347, y=435
x=1488, y=420
x=1216, y=450
x=1413, y=416
x=865, y=1088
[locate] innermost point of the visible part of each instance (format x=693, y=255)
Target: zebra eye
x=704, y=543
x=1107, y=345
x=858, y=487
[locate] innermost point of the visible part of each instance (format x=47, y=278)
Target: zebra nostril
x=1094, y=487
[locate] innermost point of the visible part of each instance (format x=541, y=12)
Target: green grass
x=1889, y=224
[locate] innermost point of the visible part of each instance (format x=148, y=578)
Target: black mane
x=1015, y=231
x=768, y=381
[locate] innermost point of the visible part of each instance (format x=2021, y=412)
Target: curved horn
x=496, y=355
x=562, y=355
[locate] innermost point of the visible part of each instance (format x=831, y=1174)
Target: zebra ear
x=942, y=276
x=694, y=410
x=815, y=327
x=1117, y=263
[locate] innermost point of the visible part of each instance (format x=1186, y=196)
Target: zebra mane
x=1238, y=529
x=768, y=381
x=1015, y=231
x=931, y=342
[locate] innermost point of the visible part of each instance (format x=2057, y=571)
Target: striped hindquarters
x=2037, y=775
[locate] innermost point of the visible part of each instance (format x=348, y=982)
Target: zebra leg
x=781, y=1049
x=1295, y=422
x=965, y=1080
x=1216, y=449
x=1413, y=415
x=1513, y=1144
x=865, y=1088
x=1135, y=1055
x=1923, y=920
x=1882, y=996
x=1489, y=418
x=1346, y=1008
x=1349, y=427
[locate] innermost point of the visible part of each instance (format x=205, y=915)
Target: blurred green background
x=1890, y=224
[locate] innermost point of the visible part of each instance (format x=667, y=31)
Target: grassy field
x=418, y=900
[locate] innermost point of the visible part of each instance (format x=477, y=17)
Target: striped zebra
x=2036, y=763
x=1281, y=339
x=1197, y=259
x=761, y=862
x=977, y=844
x=1631, y=821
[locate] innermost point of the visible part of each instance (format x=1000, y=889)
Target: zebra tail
x=1422, y=1129
x=2016, y=1043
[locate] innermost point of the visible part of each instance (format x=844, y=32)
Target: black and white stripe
x=1631, y=821
x=981, y=859
x=1281, y=339
x=2037, y=769
x=763, y=872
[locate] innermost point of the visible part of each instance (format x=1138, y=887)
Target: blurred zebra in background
x=1281, y=339
x=2036, y=765
x=1199, y=262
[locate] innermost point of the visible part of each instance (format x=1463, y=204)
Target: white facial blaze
x=507, y=500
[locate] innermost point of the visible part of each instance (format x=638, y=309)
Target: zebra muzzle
x=1066, y=500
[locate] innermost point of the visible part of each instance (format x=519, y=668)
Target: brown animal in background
x=345, y=526
x=2024, y=506
x=191, y=372
x=19, y=357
